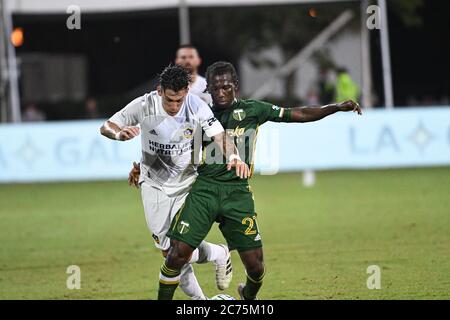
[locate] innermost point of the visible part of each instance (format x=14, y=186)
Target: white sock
x=209, y=252
x=194, y=256
x=189, y=283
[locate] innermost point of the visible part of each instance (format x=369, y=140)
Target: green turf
x=318, y=242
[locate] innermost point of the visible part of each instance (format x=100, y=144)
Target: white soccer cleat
x=224, y=271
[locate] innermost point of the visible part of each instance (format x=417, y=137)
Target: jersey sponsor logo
x=153, y=131
x=258, y=237
x=274, y=107
x=170, y=148
x=237, y=132
x=155, y=237
x=183, y=227
x=211, y=121
x=239, y=114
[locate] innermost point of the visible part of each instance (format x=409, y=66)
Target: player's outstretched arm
x=113, y=131
x=308, y=114
x=231, y=153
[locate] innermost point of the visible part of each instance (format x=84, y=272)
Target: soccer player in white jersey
x=169, y=119
x=188, y=57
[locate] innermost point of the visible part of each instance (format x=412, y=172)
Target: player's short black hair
x=220, y=68
x=174, y=77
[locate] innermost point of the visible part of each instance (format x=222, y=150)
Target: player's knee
x=178, y=255
x=254, y=263
x=175, y=260
x=256, y=269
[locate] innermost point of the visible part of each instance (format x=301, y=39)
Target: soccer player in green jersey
x=219, y=195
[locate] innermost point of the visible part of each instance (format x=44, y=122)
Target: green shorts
x=229, y=204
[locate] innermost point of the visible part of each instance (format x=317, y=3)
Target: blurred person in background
x=312, y=97
x=326, y=84
x=91, y=109
x=346, y=88
x=188, y=57
x=32, y=113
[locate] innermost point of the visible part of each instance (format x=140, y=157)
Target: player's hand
x=128, y=133
x=133, y=176
x=242, y=170
x=349, y=105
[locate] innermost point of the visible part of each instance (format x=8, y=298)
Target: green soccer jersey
x=241, y=121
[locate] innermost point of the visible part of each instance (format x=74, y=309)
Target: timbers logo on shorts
x=183, y=227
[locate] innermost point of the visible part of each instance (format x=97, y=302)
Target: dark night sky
x=419, y=56
x=126, y=50
x=123, y=50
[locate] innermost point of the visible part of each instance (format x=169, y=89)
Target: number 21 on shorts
x=250, y=222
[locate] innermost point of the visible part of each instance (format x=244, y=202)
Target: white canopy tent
x=10, y=7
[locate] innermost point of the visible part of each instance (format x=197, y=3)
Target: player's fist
x=133, y=176
x=349, y=105
x=242, y=169
x=128, y=133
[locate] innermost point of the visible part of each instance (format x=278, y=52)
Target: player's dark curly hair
x=220, y=68
x=174, y=77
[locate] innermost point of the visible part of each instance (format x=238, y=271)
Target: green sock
x=168, y=282
x=252, y=286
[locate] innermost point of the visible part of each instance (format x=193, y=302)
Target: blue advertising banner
x=54, y=151
x=404, y=137
x=75, y=150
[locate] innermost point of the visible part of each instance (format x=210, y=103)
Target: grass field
x=318, y=242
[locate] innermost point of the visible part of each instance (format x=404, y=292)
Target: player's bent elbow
x=103, y=130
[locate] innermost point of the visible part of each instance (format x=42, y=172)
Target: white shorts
x=159, y=210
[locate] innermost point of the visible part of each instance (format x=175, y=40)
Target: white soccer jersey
x=198, y=88
x=168, y=141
